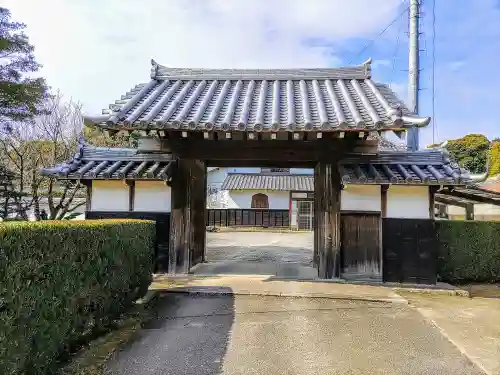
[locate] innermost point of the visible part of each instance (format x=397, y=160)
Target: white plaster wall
x=481, y=212
x=109, y=196
x=216, y=177
x=152, y=196
x=411, y=202
x=361, y=198
x=216, y=198
x=278, y=200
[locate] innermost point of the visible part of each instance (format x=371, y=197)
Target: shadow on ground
x=188, y=334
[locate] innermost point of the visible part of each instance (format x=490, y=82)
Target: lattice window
x=260, y=201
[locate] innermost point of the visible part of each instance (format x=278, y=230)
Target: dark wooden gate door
x=360, y=245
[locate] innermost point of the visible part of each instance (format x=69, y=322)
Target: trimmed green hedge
x=468, y=251
x=63, y=281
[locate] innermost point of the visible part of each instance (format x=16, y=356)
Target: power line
x=369, y=44
x=396, y=50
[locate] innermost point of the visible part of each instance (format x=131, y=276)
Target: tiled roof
x=113, y=163
x=423, y=167
x=492, y=184
x=248, y=181
x=259, y=100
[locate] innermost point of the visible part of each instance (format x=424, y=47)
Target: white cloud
x=94, y=51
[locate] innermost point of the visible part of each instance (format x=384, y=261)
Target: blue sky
x=94, y=51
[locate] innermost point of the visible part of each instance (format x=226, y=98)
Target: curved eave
x=405, y=122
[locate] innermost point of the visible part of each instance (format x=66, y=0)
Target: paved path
x=273, y=335
x=262, y=253
x=274, y=286
x=471, y=324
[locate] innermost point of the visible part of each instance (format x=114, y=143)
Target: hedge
x=63, y=281
x=469, y=251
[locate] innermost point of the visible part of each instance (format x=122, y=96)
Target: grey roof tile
x=422, y=167
x=260, y=100
x=390, y=167
x=113, y=163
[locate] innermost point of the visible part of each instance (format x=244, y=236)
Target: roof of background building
x=492, y=184
x=259, y=100
x=390, y=167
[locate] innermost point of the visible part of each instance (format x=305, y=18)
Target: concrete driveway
x=287, y=254
x=227, y=334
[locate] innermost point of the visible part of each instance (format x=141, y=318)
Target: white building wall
x=152, y=196
x=361, y=198
x=411, y=202
x=109, y=196
x=216, y=198
x=278, y=200
x=481, y=212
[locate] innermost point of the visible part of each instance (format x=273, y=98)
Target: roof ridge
x=362, y=71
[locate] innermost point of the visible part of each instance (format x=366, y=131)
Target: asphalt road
x=272, y=335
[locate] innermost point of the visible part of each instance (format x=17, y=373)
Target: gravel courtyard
x=286, y=254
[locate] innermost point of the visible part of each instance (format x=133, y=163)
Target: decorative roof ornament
x=154, y=68
x=368, y=67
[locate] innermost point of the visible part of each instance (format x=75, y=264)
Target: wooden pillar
x=383, y=215
x=327, y=214
x=383, y=200
x=198, y=208
x=178, y=260
x=318, y=203
x=131, y=194
x=469, y=211
x=432, y=201
x=88, y=201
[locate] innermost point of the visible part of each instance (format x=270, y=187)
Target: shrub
x=62, y=281
x=468, y=251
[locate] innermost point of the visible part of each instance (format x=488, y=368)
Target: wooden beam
x=327, y=189
x=469, y=212
x=88, y=203
x=178, y=260
x=318, y=219
x=383, y=200
x=267, y=150
x=131, y=194
x=452, y=201
x=197, y=212
x=471, y=197
x=432, y=200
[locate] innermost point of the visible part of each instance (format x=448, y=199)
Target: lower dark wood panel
x=248, y=217
x=409, y=250
x=162, y=220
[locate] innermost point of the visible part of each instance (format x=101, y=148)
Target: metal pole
x=413, y=71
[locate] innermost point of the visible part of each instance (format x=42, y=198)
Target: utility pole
x=412, y=141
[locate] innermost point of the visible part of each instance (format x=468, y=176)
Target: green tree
x=21, y=98
x=20, y=93
x=470, y=152
x=495, y=158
